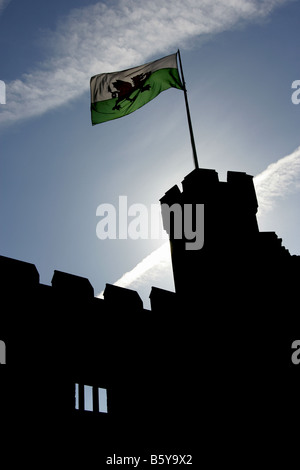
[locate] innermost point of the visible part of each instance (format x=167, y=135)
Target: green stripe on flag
x=115, y=108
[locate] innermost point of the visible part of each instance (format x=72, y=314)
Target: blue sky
x=240, y=59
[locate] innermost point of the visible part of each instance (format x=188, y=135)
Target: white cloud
x=148, y=270
x=277, y=181
x=3, y=4
x=109, y=37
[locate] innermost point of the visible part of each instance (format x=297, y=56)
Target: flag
x=114, y=95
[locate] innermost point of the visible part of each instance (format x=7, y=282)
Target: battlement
x=232, y=240
x=15, y=273
x=230, y=207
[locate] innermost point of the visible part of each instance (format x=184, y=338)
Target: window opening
x=87, y=400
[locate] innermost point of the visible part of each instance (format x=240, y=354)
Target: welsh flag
x=114, y=95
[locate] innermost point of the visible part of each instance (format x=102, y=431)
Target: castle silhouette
x=206, y=372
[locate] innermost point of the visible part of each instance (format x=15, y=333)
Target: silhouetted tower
x=233, y=244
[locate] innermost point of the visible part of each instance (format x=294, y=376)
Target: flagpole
x=188, y=114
